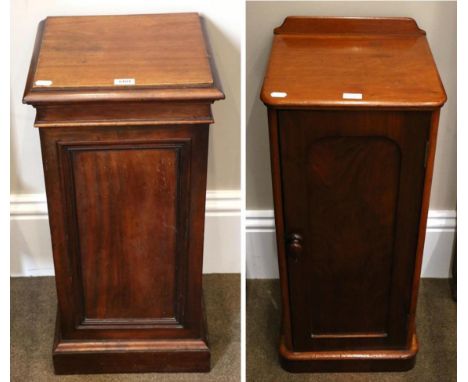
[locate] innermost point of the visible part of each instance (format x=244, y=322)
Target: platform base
x=348, y=361
x=131, y=357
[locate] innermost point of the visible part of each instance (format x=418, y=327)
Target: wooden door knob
x=294, y=245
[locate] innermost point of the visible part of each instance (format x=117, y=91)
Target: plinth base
x=131, y=357
x=348, y=361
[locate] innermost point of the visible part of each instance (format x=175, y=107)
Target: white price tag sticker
x=352, y=95
x=124, y=81
x=278, y=94
x=43, y=83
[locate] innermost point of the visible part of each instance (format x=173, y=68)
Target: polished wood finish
x=124, y=114
x=349, y=360
x=177, y=56
x=316, y=60
x=351, y=183
x=125, y=173
x=81, y=56
x=342, y=191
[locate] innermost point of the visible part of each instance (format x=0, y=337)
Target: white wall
x=30, y=240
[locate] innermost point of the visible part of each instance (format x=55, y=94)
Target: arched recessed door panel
x=351, y=187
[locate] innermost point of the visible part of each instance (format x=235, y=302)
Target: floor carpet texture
x=436, y=330
x=33, y=307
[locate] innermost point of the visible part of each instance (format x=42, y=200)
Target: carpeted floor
x=436, y=328
x=33, y=305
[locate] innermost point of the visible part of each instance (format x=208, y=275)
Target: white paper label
x=278, y=94
x=43, y=83
x=352, y=95
x=124, y=81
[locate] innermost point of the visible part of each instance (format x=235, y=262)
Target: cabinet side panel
x=126, y=213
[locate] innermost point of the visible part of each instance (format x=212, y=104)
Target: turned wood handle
x=294, y=245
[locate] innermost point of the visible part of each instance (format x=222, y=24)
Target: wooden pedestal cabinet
x=353, y=109
x=123, y=109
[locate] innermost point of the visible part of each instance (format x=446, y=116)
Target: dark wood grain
x=349, y=26
x=352, y=194
x=276, y=176
x=141, y=265
x=351, y=184
x=429, y=170
x=123, y=114
x=125, y=175
x=352, y=188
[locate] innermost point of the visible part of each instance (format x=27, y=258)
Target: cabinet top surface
x=351, y=62
x=161, y=56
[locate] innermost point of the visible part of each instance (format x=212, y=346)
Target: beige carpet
x=436, y=329
x=33, y=302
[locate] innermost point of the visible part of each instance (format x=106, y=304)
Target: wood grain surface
x=352, y=185
x=77, y=59
x=91, y=51
x=315, y=60
x=128, y=193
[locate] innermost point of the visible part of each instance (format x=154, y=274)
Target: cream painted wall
x=222, y=20
x=438, y=19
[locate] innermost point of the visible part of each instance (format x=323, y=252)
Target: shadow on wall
x=31, y=247
x=258, y=147
x=436, y=258
x=226, y=113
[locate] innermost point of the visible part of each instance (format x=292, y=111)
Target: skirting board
x=261, y=244
x=31, y=252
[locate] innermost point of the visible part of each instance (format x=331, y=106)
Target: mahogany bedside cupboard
x=353, y=108
x=123, y=109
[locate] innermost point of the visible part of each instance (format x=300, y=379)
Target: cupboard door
x=352, y=184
